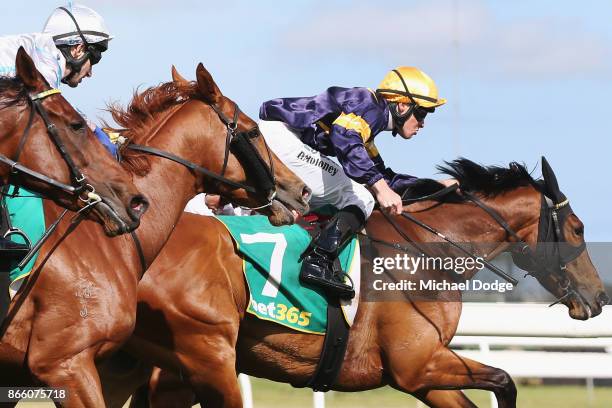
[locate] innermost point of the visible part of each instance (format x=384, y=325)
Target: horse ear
x=207, y=86
x=550, y=182
x=176, y=77
x=27, y=72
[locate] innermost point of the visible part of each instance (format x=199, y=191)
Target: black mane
x=487, y=181
x=12, y=91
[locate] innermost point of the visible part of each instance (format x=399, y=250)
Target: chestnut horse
x=191, y=305
x=79, y=304
x=58, y=156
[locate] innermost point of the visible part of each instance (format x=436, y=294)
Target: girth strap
x=334, y=348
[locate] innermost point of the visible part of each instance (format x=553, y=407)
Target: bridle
x=239, y=142
x=537, y=263
x=79, y=185
x=550, y=244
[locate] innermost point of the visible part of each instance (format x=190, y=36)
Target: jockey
x=73, y=40
x=343, y=122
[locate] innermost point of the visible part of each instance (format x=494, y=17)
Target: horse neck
x=467, y=223
x=520, y=208
x=169, y=185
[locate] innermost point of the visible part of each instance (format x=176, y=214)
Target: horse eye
x=77, y=126
x=579, y=231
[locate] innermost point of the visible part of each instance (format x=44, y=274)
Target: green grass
x=267, y=394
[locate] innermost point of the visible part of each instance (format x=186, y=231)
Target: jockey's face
x=86, y=70
x=411, y=126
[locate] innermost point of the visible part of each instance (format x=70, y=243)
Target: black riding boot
x=318, y=259
x=11, y=253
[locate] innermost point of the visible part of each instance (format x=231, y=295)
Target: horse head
x=277, y=192
x=557, y=256
x=51, y=151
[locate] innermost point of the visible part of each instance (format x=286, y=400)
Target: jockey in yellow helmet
x=343, y=123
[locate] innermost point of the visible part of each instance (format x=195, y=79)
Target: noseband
x=539, y=263
x=241, y=145
x=551, y=244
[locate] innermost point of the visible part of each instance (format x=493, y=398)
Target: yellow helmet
x=410, y=85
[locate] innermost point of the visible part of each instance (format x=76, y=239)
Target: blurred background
x=523, y=79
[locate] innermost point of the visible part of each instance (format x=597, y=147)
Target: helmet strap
x=75, y=64
x=399, y=118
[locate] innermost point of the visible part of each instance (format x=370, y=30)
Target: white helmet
x=66, y=31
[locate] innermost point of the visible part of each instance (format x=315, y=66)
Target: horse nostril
x=306, y=193
x=138, y=205
x=602, y=298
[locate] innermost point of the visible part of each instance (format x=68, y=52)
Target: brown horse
x=192, y=320
x=79, y=305
x=27, y=107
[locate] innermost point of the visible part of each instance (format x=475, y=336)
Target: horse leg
x=13, y=366
x=77, y=375
x=166, y=389
x=445, y=399
x=122, y=375
x=447, y=370
x=212, y=374
x=216, y=384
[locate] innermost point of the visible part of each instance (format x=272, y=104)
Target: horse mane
x=488, y=181
x=12, y=91
x=143, y=113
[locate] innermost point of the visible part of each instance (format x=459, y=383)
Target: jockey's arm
x=400, y=182
x=100, y=135
x=353, y=155
x=358, y=165
x=397, y=182
x=106, y=141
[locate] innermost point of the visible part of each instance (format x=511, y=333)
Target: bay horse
x=47, y=148
x=193, y=323
x=79, y=304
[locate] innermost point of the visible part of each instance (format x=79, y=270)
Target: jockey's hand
x=448, y=182
x=388, y=199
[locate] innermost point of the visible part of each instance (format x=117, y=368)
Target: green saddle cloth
x=272, y=269
x=27, y=214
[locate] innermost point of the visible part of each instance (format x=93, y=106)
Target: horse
x=79, y=304
x=46, y=147
x=193, y=323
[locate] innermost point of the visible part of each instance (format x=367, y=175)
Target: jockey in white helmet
x=82, y=36
x=73, y=40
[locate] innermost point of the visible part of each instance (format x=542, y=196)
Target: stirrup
x=17, y=245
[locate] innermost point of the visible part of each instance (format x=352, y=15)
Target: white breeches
x=325, y=177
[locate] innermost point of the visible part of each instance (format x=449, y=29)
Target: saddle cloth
x=27, y=214
x=271, y=268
